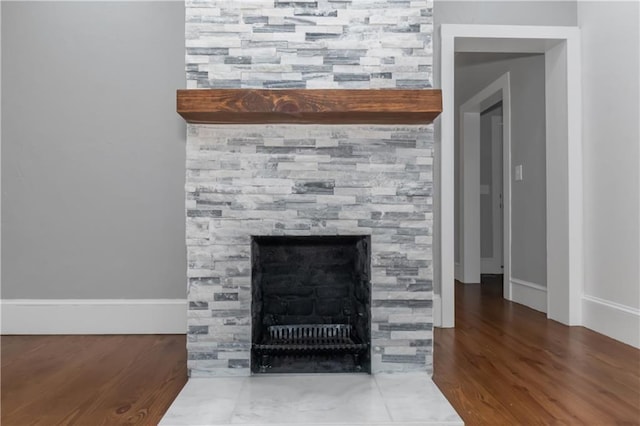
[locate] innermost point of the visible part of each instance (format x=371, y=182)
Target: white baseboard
x=437, y=310
x=529, y=294
x=612, y=319
x=93, y=316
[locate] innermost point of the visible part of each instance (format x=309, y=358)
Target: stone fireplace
x=247, y=181
x=260, y=195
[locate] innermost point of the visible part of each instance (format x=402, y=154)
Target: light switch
x=519, y=172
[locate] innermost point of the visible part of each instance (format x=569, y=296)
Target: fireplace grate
x=308, y=339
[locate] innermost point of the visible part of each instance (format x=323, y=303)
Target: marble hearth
x=402, y=399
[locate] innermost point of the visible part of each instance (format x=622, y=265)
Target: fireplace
x=311, y=304
x=307, y=192
x=309, y=129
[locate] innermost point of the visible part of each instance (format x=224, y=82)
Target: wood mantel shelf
x=307, y=106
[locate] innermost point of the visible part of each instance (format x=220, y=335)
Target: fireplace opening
x=310, y=309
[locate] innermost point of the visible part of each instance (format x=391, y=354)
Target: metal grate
x=309, y=338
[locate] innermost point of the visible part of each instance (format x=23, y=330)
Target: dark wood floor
x=502, y=364
x=507, y=364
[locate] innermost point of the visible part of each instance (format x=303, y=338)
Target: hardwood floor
x=90, y=380
x=507, y=364
x=502, y=364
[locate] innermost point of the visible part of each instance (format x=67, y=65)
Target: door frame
x=563, y=84
x=469, y=195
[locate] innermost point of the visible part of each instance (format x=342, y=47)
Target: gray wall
x=505, y=12
x=610, y=131
x=92, y=150
x=475, y=71
x=1, y=3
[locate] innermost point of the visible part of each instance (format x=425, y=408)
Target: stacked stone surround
x=352, y=180
x=313, y=44
x=250, y=180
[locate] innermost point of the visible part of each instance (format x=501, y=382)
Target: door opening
x=491, y=205
x=563, y=205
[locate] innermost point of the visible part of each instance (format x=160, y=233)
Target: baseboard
x=612, y=319
x=93, y=316
x=529, y=294
x=437, y=310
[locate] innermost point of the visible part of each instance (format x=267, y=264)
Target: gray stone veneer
x=313, y=44
x=308, y=180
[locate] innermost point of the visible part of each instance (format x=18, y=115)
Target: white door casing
x=565, y=258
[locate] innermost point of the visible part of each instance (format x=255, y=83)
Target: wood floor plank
x=90, y=380
x=541, y=371
x=503, y=364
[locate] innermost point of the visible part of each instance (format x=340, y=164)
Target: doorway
x=491, y=186
x=491, y=205
x=563, y=99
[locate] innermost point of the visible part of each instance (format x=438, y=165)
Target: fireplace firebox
x=311, y=304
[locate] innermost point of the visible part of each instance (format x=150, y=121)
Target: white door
x=491, y=205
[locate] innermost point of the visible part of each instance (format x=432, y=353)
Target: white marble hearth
x=319, y=400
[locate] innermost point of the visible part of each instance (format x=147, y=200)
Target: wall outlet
x=518, y=172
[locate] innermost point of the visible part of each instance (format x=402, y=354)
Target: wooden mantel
x=306, y=106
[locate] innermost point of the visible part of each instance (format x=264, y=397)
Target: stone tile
x=415, y=398
x=204, y=401
x=400, y=399
x=324, y=399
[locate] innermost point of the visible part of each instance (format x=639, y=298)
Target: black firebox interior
x=310, y=307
